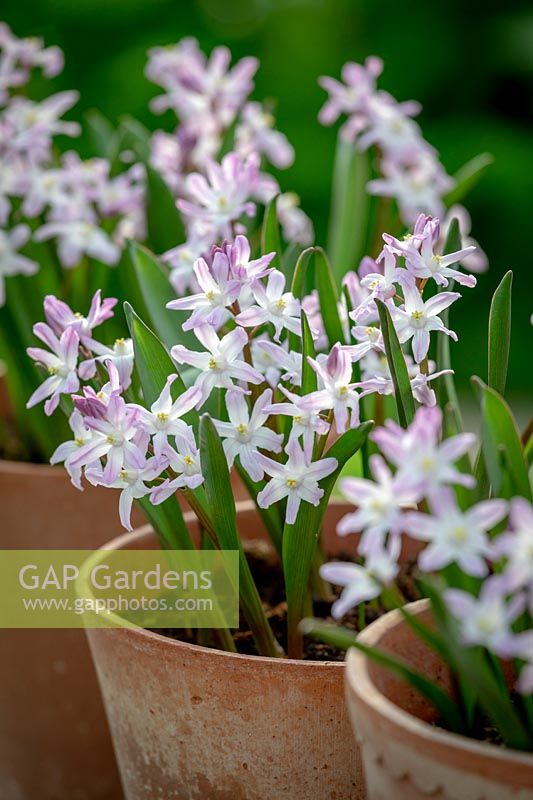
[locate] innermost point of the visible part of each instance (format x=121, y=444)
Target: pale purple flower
x=118, y=436
x=391, y=128
x=273, y=304
x=383, y=384
x=338, y=393
x=305, y=423
x=19, y=56
x=245, y=433
x=65, y=452
x=379, y=504
x=184, y=460
x=418, y=453
x=486, y=620
x=382, y=284
x=453, y=535
x=255, y=133
x=11, y=261
x=78, y=238
x=369, y=338
x=295, y=224
x=164, y=417
x=274, y=360
x=221, y=364
x=60, y=316
x=352, y=96
x=121, y=355
x=522, y=648
x=132, y=481
x=181, y=260
x=476, y=261
x=225, y=194
x=219, y=291
x=418, y=188
x=61, y=364
x=167, y=158
x=425, y=263
x=516, y=545
x=417, y=318
x=238, y=254
x=31, y=125
x=362, y=582
x=296, y=480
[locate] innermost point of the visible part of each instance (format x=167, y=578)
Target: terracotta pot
x=54, y=737
x=405, y=756
x=199, y=724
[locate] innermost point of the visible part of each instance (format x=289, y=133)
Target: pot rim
x=142, y=634
x=360, y=684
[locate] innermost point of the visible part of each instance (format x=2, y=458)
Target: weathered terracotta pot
x=191, y=723
x=405, y=757
x=54, y=737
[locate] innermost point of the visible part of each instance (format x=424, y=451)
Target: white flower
x=221, y=364
x=121, y=355
x=305, y=423
x=78, y=238
x=246, y=432
x=64, y=453
x=184, y=460
x=339, y=394
x=418, y=318
x=273, y=305
x=164, y=418
x=132, y=480
x=61, y=365
x=297, y=480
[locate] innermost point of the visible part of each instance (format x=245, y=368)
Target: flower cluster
x=411, y=171
x=214, y=192
x=422, y=473
x=69, y=199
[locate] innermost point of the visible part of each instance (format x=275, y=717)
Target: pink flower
x=12, y=262
x=61, y=365
x=305, y=423
x=219, y=291
x=352, y=98
x=79, y=238
x=184, y=459
x=255, y=133
x=60, y=316
x=339, y=394
x=164, y=418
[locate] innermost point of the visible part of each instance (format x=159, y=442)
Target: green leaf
x=156, y=292
x=153, y=364
x=270, y=234
x=135, y=136
x=309, y=377
x=398, y=369
x=349, y=209
x=315, y=258
x=165, y=226
x=467, y=177
x=224, y=518
x=102, y=134
x=300, y=539
x=270, y=516
x=499, y=434
x=168, y=523
x=343, y=639
x=500, y=333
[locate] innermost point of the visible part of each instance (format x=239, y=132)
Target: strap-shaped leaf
x=165, y=227
x=337, y=636
x=309, y=377
x=168, y=523
x=153, y=364
x=405, y=403
x=300, y=539
x=467, y=177
x=157, y=292
x=349, y=208
x=270, y=234
x=501, y=445
x=315, y=258
x=224, y=519
x=500, y=333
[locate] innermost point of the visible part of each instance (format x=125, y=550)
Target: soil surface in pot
x=268, y=576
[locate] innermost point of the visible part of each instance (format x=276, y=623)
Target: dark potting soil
x=268, y=576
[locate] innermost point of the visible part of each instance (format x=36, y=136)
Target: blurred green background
x=469, y=63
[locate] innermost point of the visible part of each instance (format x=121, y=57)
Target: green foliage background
x=469, y=63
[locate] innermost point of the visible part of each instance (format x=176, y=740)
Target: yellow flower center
x=417, y=314
x=459, y=533
x=212, y=363
x=161, y=416
x=292, y=483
